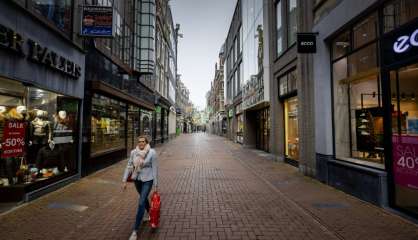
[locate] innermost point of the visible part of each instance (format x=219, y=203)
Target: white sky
x=204, y=24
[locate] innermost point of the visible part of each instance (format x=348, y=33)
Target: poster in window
x=13, y=143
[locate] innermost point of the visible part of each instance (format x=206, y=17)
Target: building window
x=145, y=37
x=358, y=112
x=279, y=28
x=287, y=84
x=107, y=125
x=292, y=24
x=38, y=130
x=399, y=12
x=57, y=12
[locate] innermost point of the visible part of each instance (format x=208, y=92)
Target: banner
x=405, y=161
x=13, y=139
x=97, y=21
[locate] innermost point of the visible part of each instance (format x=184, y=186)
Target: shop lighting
x=342, y=44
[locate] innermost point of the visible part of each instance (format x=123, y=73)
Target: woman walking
x=143, y=170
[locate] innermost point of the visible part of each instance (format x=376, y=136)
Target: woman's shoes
x=133, y=236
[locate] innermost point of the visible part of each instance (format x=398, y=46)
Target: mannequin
x=50, y=156
x=40, y=134
x=40, y=128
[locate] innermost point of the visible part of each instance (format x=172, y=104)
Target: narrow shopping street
x=211, y=189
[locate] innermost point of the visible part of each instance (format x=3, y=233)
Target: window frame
x=377, y=40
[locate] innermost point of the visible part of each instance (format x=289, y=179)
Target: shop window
x=291, y=128
x=365, y=31
x=358, y=113
x=399, y=12
x=58, y=12
x=107, y=125
x=341, y=45
x=38, y=132
x=404, y=88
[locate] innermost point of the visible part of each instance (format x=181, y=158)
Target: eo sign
x=404, y=43
x=400, y=45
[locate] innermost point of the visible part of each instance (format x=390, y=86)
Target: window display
x=291, y=128
x=107, y=125
x=37, y=130
x=358, y=111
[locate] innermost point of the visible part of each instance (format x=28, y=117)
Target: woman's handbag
x=155, y=210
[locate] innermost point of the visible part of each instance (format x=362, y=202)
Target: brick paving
x=211, y=189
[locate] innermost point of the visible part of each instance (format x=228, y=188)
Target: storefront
x=115, y=116
x=375, y=72
x=41, y=91
x=288, y=96
x=263, y=129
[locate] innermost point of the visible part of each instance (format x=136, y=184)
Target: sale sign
x=13, y=139
x=405, y=160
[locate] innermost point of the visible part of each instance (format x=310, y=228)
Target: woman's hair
x=144, y=137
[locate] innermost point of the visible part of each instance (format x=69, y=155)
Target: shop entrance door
x=291, y=128
x=404, y=109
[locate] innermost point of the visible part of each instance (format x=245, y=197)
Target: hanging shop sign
x=401, y=44
x=13, y=139
x=37, y=53
x=158, y=109
x=97, y=21
x=306, y=42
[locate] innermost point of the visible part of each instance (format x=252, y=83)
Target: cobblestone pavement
x=211, y=189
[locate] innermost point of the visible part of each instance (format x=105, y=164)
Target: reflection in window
x=341, y=45
x=58, y=12
x=279, y=27
x=292, y=25
x=365, y=31
x=399, y=12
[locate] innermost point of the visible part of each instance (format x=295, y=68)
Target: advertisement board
x=13, y=139
x=97, y=21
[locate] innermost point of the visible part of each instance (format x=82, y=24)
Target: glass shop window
x=38, y=130
x=107, y=125
x=358, y=112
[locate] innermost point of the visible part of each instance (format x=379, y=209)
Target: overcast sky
x=204, y=24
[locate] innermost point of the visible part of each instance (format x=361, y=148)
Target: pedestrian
x=143, y=169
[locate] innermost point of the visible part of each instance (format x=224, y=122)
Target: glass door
x=404, y=90
x=291, y=128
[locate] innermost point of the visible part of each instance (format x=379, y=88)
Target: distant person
x=142, y=167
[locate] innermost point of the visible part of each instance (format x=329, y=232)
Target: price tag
x=13, y=144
